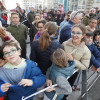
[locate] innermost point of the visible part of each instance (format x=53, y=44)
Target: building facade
x=82, y=5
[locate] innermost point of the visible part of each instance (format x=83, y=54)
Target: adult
x=18, y=31
x=75, y=18
x=67, y=18
x=33, y=29
x=92, y=25
x=30, y=15
x=40, y=28
x=88, y=17
x=42, y=50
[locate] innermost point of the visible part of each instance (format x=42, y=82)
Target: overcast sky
x=11, y=4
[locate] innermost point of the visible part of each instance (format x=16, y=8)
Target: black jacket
x=42, y=58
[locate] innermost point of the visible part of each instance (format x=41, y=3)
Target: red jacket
x=2, y=98
x=4, y=17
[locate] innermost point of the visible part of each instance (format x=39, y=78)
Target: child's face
x=2, y=62
x=97, y=38
x=88, y=39
x=11, y=54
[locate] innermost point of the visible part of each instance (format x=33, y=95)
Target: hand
x=94, y=69
x=70, y=57
x=25, y=82
x=2, y=33
x=52, y=89
x=5, y=87
x=48, y=82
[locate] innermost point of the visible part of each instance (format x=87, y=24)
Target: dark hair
x=41, y=21
x=14, y=13
x=44, y=40
x=92, y=19
x=1, y=54
x=96, y=32
x=89, y=34
x=10, y=43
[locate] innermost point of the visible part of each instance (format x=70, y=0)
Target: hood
x=68, y=70
x=69, y=43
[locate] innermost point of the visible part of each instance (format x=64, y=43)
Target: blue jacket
x=66, y=32
x=95, y=56
x=32, y=72
x=55, y=72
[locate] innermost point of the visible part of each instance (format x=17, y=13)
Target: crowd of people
x=59, y=42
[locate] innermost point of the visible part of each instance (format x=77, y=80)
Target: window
x=98, y=0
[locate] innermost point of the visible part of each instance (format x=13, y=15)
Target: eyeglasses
x=76, y=33
x=40, y=27
x=13, y=51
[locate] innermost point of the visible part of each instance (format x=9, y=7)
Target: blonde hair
x=44, y=40
x=59, y=58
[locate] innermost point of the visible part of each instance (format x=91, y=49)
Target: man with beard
x=88, y=17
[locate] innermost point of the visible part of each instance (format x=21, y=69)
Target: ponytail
x=44, y=40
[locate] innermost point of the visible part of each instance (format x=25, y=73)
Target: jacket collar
x=69, y=42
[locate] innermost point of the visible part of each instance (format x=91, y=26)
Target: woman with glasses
x=81, y=54
x=33, y=29
x=40, y=28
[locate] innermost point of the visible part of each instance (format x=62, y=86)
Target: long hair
x=44, y=40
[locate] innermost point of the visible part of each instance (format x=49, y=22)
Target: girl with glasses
x=81, y=54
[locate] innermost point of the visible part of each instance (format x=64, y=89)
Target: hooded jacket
x=95, y=56
x=32, y=72
x=58, y=76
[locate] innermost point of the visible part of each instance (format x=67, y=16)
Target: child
x=59, y=71
x=95, y=53
x=96, y=38
x=2, y=62
x=18, y=77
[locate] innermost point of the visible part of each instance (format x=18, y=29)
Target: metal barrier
x=84, y=91
x=85, y=88
x=25, y=98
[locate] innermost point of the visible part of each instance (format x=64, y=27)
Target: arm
x=84, y=62
x=94, y=62
x=96, y=53
x=63, y=86
x=37, y=77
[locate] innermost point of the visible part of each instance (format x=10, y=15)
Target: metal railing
x=84, y=90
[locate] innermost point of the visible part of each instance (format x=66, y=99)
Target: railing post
x=84, y=86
